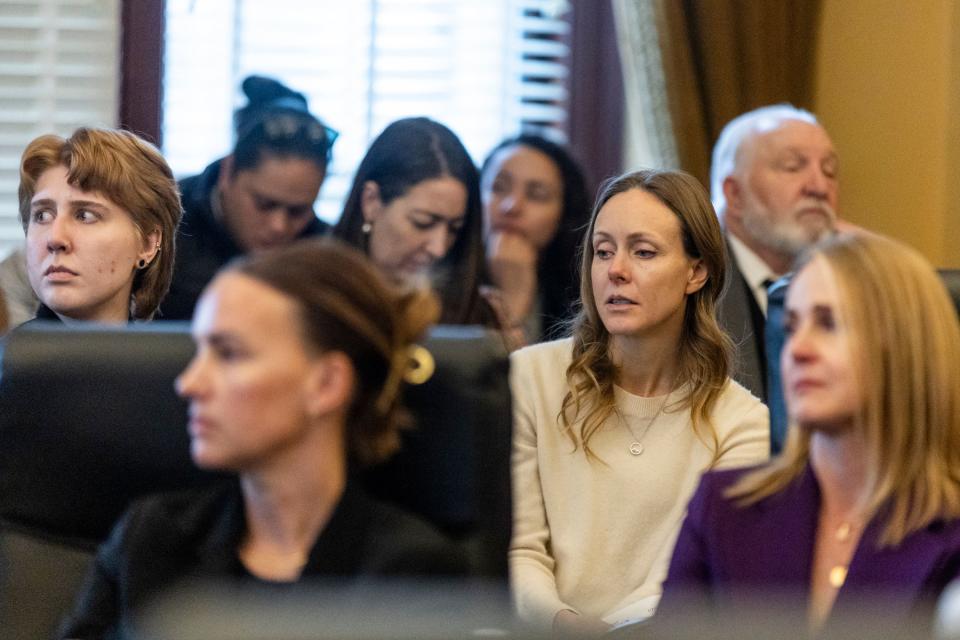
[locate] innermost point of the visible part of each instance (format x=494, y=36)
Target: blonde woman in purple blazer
x=861, y=513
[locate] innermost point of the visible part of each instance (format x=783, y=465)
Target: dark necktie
x=774, y=338
x=767, y=283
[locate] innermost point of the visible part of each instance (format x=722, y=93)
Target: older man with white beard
x=774, y=186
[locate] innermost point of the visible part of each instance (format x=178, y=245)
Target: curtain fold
x=648, y=126
x=720, y=58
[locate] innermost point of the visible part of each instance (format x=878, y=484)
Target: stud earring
x=366, y=228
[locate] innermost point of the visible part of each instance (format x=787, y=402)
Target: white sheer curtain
x=648, y=128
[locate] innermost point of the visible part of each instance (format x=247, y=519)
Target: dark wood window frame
x=595, y=119
x=596, y=102
x=141, y=67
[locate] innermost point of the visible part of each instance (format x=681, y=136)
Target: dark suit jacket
x=741, y=317
x=194, y=535
x=729, y=557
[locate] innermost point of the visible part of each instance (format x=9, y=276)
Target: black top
x=194, y=535
x=203, y=245
x=44, y=314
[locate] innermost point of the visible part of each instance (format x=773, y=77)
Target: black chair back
x=39, y=578
x=454, y=466
x=89, y=420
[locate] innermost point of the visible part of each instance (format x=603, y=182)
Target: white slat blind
x=486, y=68
x=58, y=71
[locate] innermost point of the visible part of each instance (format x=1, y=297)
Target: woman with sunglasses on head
x=259, y=196
x=414, y=209
x=291, y=394
x=613, y=426
x=858, y=520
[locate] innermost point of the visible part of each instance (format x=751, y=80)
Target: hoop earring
x=141, y=264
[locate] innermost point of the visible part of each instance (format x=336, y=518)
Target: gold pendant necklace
x=838, y=573
x=842, y=534
x=636, y=447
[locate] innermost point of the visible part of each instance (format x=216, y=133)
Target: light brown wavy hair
x=130, y=172
x=907, y=355
x=346, y=305
x=704, y=349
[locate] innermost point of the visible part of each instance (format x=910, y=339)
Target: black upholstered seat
x=89, y=421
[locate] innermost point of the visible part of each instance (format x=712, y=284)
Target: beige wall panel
x=888, y=93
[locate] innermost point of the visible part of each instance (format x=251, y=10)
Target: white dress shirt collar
x=755, y=271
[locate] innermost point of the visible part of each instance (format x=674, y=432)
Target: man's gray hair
x=734, y=133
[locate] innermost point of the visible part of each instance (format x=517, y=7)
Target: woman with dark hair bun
x=290, y=394
x=259, y=196
x=536, y=206
x=414, y=209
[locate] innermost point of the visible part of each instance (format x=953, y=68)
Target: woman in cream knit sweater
x=614, y=425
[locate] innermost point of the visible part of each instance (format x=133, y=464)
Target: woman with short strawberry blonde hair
x=100, y=211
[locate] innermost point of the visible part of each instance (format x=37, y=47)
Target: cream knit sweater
x=596, y=537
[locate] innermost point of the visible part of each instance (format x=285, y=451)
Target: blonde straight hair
x=907, y=346
x=704, y=349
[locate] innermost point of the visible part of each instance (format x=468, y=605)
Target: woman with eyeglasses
x=259, y=196
x=536, y=206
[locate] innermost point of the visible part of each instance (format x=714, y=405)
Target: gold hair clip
x=420, y=366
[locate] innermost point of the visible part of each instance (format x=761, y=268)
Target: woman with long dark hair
x=536, y=208
x=414, y=209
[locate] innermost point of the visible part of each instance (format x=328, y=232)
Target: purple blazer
x=730, y=559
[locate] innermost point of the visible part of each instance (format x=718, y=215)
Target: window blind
x=58, y=71
x=485, y=68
